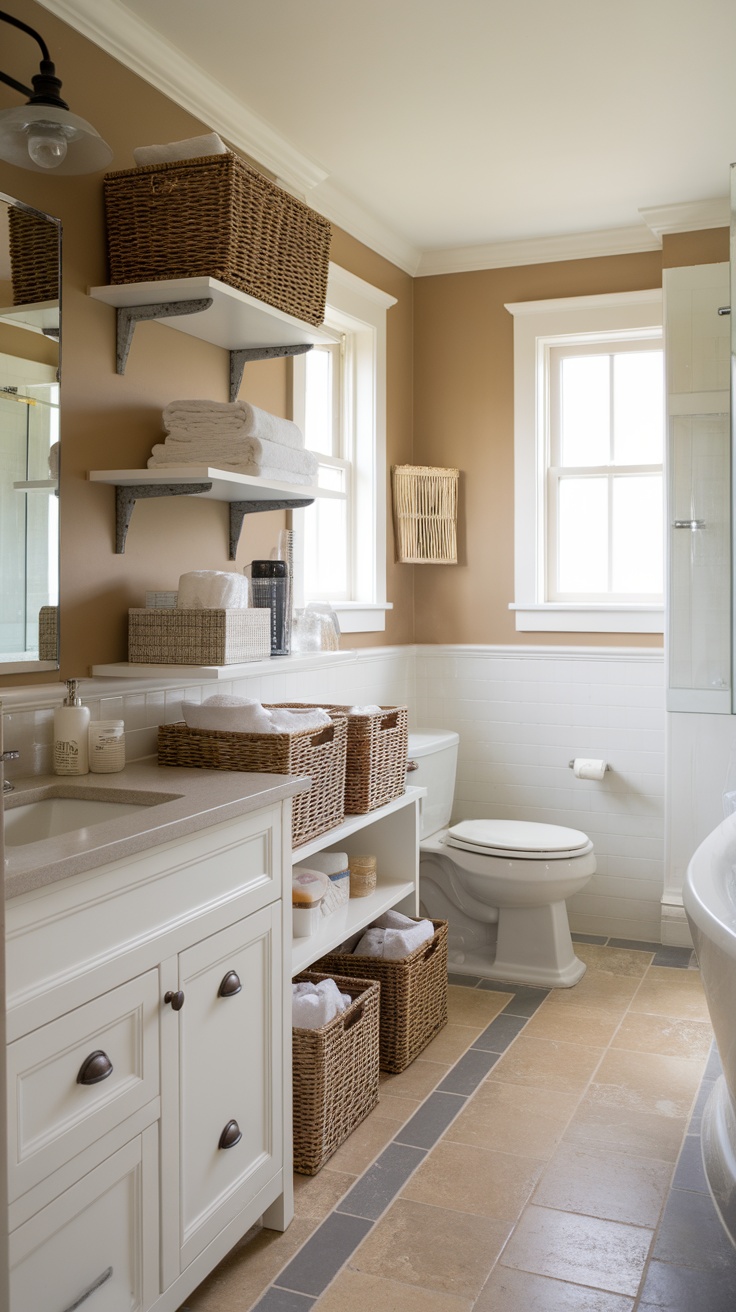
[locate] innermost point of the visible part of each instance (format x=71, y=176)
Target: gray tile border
x=469, y=1071
x=429, y=1123
x=679, y=958
x=689, y=1172
x=500, y=1033
x=600, y=939
x=281, y=1300
x=379, y=1185
x=691, y=1235
x=464, y=981
x=525, y=1001
x=634, y=945
x=320, y=1258
x=714, y=1067
x=669, y=1288
x=696, y=1118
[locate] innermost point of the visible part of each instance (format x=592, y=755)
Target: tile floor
x=542, y=1155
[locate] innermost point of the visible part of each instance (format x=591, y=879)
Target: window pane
x=583, y=535
x=637, y=534
x=326, y=541
x=318, y=416
x=585, y=410
x=638, y=407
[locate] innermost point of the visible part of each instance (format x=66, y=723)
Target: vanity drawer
x=96, y=1246
x=72, y=1080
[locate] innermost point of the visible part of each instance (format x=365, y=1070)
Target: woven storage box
x=413, y=996
x=198, y=637
x=375, y=767
x=335, y=1074
x=48, y=633
x=34, y=257
x=218, y=218
x=425, y=514
x=319, y=753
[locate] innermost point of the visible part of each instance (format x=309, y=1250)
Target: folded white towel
x=212, y=448
x=312, y=1010
x=242, y=715
x=371, y=944
x=268, y=473
x=392, y=920
x=192, y=148
x=363, y=710
x=212, y=589
x=233, y=418
x=284, y=720
x=399, y=943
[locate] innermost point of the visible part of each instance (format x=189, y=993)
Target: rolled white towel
x=218, y=712
x=212, y=589
x=400, y=943
x=364, y=710
x=392, y=920
x=191, y=148
x=310, y=1011
x=284, y=720
x=239, y=417
x=371, y=944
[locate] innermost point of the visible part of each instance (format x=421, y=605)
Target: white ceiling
x=443, y=131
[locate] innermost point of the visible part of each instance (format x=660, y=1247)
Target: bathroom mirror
x=30, y=344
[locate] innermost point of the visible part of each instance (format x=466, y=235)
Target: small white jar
x=106, y=746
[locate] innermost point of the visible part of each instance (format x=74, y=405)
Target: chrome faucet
x=9, y=756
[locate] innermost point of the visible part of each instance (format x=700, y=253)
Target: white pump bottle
x=71, y=722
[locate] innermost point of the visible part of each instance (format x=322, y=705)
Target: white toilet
x=500, y=884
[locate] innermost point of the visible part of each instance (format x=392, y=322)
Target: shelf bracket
x=128, y=316
x=239, y=509
x=240, y=358
x=126, y=497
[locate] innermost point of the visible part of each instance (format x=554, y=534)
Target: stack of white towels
x=237, y=436
x=242, y=715
x=393, y=937
x=315, y=1005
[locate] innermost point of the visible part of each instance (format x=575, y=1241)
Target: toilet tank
x=435, y=754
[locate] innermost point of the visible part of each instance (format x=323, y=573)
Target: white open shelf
x=226, y=485
x=37, y=485
x=37, y=317
x=235, y=320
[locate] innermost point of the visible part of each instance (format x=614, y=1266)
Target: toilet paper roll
x=585, y=767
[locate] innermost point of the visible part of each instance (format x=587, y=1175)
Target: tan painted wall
x=112, y=422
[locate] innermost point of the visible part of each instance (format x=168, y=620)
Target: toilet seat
x=520, y=840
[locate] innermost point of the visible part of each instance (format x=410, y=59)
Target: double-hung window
x=589, y=440
x=340, y=403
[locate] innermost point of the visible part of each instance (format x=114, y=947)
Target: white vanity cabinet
x=148, y=1118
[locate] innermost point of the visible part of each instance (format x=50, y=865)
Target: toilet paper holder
x=571, y=765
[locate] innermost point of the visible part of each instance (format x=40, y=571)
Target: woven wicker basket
x=34, y=257
x=375, y=769
x=425, y=514
x=319, y=753
x=198, y=637
x=335, y=1074
x=48, y=633
x=413, y=996
x=218, y=218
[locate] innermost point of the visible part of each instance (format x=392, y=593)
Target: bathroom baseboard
x=675, y=929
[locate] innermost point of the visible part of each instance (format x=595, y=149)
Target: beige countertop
x=175, y=802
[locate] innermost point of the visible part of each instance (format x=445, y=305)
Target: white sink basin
x=50, y=816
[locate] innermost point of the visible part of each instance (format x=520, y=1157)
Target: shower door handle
x=692, y=524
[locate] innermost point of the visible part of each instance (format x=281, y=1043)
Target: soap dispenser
x=71, y=722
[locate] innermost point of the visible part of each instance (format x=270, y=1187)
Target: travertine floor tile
x=450, y=1044
x=547, y=1064
x=365, y=1143
x=519, y=1291
x=640, y=1032
x=354, y=1291
x=668, y=992
x=621, y=1129
x=590, y=1026
x=647, y=1082
x=480, y=1181
x=316, y=1195
x=396, y=1105
x=474, y=1007
x=249, y=1268
x=598, y=989
x=580, y=1249
x=611, y=1185
x=514, y=1118
x=433, y=1247
x=613, y=961
x=417, y=1081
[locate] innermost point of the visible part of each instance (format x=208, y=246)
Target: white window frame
x=537, y=326
x=356, y=311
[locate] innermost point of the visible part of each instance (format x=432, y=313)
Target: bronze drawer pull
x=96, y=1067
x=101, y=1280
x=230, y=985
x=230, y=1135
x=176, y=999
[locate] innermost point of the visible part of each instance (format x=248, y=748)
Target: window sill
x=362, y=616
x=563, y=617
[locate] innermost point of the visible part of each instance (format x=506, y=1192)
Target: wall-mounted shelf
x=246, y=494
x=36, y=317
x=38, y=485
x=209, y=309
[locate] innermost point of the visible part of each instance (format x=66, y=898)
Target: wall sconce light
x=44, y=135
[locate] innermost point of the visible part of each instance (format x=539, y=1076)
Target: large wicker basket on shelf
x=413, y=995
x=319, y=753
x=425, y=514
x=219, y=218
x=34, y=257
x=377, y=748
x=335, y=1074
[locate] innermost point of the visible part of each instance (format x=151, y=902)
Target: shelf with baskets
x=245, y=494
x=392, y=833
x=214, y=312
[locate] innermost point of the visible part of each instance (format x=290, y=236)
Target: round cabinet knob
x=230, y=985
x=230, y=1135
x=95, y=1068
x=176, y=999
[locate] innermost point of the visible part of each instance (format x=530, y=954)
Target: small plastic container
x=106, y=740
x=308, y=888
x=363, y=875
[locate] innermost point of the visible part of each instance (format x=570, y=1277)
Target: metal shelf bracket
x=128, y=316
x=239, y=509
x=240, y=358
x=126, y=497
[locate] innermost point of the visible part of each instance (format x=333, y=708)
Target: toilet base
x=534, y=946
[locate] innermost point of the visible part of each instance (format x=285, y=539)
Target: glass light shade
x=44, y=130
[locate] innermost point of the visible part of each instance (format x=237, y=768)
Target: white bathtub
x=709, y=896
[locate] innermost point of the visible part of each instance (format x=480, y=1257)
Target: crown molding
x=688, y=216
x=348, y=214
x=538, y=250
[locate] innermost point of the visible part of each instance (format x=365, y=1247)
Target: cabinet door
x=230, y=1140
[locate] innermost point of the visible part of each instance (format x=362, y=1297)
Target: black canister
x=270, y=588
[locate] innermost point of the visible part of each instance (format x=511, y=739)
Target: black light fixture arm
x=46, y=85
